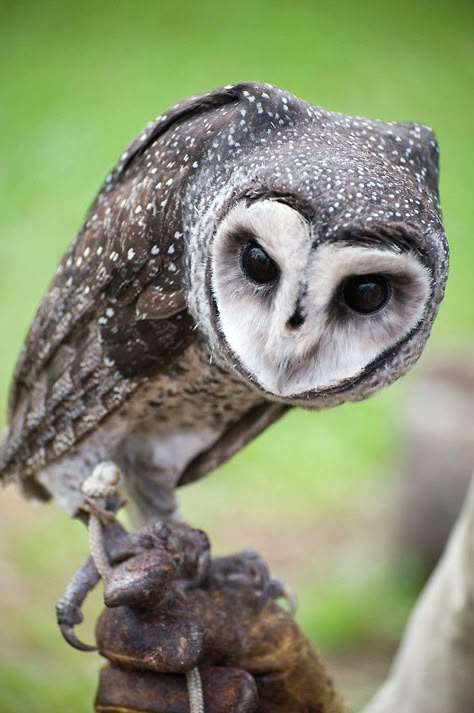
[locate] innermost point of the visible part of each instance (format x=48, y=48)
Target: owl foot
x=244, y=569
x=138, y=569
x=248, y=570
x=68, y=609
x=100, y=503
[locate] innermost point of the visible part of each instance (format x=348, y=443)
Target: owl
x=249, y=253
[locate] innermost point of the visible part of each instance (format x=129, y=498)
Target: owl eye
x=366, y=294
x=257, y=265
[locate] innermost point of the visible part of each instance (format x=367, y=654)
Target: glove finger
x=167, y=639
x=143, y=580
x=226, y=690
x=266, y=641
x=305, y=687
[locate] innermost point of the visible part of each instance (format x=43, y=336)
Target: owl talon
x=68, y=609
x=280, y=590
x=70, y=637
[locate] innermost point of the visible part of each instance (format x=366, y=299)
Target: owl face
x=304, y=317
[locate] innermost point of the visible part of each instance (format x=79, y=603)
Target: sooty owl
x=249, y=252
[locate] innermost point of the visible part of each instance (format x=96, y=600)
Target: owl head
x=314, y=257
x=327, y=258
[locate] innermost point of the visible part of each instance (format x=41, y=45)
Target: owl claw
x=68, y=609
x=280, y=590
x=70, y=637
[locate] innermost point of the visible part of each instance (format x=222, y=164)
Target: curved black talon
x=68, y=609
x=70, y=637
x=280, y=590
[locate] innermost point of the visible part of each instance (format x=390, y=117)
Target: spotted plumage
x=163, y=345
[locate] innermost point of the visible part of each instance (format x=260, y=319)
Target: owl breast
x=167, y=423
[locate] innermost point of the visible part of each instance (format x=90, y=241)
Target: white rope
x=104, y=480
x=96, y=546
x=194, y=683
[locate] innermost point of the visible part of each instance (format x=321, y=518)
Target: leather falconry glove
x=251, y=655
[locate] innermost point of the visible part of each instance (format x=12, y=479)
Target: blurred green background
x=77, y=82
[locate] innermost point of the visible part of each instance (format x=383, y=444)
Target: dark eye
x=366, y=293
x=257, y=265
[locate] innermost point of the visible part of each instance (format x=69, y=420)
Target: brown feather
x=78, y=364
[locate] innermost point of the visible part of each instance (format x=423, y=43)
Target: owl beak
x=298, y=317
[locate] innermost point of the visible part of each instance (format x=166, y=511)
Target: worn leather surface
x=252, y=656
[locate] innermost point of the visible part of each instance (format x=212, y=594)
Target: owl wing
x=115, y=312
x=233, y=440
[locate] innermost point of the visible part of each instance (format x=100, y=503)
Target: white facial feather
x=331, y=345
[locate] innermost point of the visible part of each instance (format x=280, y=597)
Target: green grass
x=372, y=608
x=77, y=82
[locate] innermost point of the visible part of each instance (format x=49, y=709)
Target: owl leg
x=112, y=542
x=68, y=610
